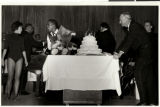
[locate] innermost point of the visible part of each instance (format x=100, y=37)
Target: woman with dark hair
x=14, y=45
x=105, y=39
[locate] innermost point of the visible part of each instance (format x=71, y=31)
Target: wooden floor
x=55, y=98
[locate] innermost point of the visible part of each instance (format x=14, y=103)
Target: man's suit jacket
x=137, y=40
x=29, y=42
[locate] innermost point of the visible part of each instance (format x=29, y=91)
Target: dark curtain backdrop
x=77, y=18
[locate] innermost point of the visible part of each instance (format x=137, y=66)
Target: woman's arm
x=3, y=56
x=25, y=58
x=6, y=47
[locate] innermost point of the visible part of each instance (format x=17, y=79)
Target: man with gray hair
x=138, y=41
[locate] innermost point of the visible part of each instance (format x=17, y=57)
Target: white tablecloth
x=81, y=73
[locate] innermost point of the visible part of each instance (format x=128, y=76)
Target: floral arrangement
x=63, y=46
x=60, y=48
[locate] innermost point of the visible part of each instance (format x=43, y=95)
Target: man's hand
x=116, y=55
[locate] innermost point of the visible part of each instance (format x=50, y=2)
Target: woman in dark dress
x=105, y=39
x=14, y=45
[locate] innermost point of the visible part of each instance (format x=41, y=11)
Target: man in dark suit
x=154, y=41
x=138, y=41
x=29, y=43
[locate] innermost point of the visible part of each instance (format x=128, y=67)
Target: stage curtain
x=77, y=18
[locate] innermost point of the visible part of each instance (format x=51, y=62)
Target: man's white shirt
x=49, y=44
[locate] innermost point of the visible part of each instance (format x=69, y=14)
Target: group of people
x=139, y=41
x=17, y=50
x=143, y=44
x=142, y=41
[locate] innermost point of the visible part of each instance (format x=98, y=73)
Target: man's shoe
x=24, y=93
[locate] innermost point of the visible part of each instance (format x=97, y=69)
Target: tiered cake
x=89, y=46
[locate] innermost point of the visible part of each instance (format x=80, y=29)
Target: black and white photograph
x=79, y=55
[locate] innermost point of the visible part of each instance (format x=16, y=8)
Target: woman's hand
x=26, y=63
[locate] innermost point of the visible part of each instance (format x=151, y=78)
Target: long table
x=91, y=73
x=81, y=73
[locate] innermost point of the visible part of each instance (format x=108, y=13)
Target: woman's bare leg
x=11, y=67
x=18, y=69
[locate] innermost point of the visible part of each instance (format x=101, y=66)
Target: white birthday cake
x=89, y=46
